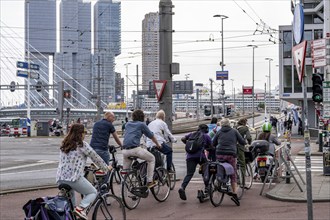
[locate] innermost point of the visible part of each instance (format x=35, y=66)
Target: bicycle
x=134, y=184
x=219, y=186
x=249, y=170
x=115, y=175
x=106, y=205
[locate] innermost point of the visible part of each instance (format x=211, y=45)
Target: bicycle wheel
x=248, y=178
x=109, y=207
x=114, y=187
x=214, y=188
x=162, y=190
x=240, y=183
x=172, y=177
x=129, y=182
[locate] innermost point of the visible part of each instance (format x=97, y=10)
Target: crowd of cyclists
x=220, y=142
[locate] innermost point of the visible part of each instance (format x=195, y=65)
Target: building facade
x=290, y=88
x=150, y=49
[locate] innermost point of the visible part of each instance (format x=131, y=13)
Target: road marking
x=41, y=162
x=30, y=171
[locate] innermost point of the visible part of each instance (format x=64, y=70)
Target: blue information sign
x=21, y=73
x=34, y=66
x=222, y=75
x=21, y=64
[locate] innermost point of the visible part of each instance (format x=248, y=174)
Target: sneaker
x=79, y=211
x=151, y=184
x=234, y=198
x=182, y=194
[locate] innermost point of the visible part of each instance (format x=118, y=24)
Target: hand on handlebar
x=109, y=167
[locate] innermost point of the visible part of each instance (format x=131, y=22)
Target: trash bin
x=326, y=160
x=42, y=129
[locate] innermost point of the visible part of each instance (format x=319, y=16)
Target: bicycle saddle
x=64, y=186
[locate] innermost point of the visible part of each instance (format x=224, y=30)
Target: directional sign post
x=22, y=65
x=222, y=75
x=22, y=73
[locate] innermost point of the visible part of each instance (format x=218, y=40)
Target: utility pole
x=222, y=63
x=187, y=112
x=137, y=106
x=126, y=64
x=253, y=47
x=165, y=57
x=28, y=113
x=212, y=98
x=269, y=85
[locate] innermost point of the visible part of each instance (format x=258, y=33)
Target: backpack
x=195, y=142
x=48, y=208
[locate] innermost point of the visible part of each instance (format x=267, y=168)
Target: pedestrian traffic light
x=67, y=94
x=317, y=79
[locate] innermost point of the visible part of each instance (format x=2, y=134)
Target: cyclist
x=162, y=134
x=73, y=156
x=245, y=133
x=131, y=144
x=195, y=158
x=266, y=135
x=101, y=134
x=225, y=141
x=213, y=128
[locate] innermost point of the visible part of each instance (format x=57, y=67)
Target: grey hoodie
x=225, y=141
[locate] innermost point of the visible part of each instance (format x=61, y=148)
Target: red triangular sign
x=159, y=86
x=299, y=54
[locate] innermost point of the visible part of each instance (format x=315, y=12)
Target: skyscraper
x=107, y=36
x=150, y=49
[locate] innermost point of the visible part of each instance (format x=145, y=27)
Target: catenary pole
x=165, y=57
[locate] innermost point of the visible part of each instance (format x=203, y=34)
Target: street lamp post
x=253, y=47
x=211, y=80
x=269, y=84
x=187, y=113
x=233, y=92
x=222, y=60
x=126, y=64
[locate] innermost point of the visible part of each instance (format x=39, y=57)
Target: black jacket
x=225, y=141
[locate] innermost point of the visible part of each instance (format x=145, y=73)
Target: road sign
x=298, y=23
x=159, y=86
x=34, y=66
x=34, y=75
x=247, y=90
x=318, y=43
x=326, y=91
x=25, y=65
x=319, y=62
x=222, y=75
x=182, y=87
x=21, y=64
x=299, y=54
x=22, y=73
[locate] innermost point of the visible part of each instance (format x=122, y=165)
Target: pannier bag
x=47, y=208
x=222, y=170
x=158, y=157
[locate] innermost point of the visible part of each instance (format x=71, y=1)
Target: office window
x=318, y=34
x=287, y=79
x=296, y=84
x=287, y=44
x=308, y=37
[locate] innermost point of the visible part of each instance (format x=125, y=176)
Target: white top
x=71, y=165
x=161, y=132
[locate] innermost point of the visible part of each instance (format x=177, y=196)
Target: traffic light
x=67, y=94
x=317, y=79
x=39, y=86
x=228, y=111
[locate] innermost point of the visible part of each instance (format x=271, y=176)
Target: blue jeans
x=104, y=154
x=169, y=155
x=84, y=187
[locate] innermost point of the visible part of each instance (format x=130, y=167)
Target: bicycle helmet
x=266, y=127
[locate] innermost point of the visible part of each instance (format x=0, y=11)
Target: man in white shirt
x=163, y=135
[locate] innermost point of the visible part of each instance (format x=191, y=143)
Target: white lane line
x=43, y=162
x=30, y=171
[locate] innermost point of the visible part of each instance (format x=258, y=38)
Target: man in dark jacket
x=192, y=160
x=245, y=133
x=225, y=141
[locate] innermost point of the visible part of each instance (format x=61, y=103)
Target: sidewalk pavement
x=320, y=184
